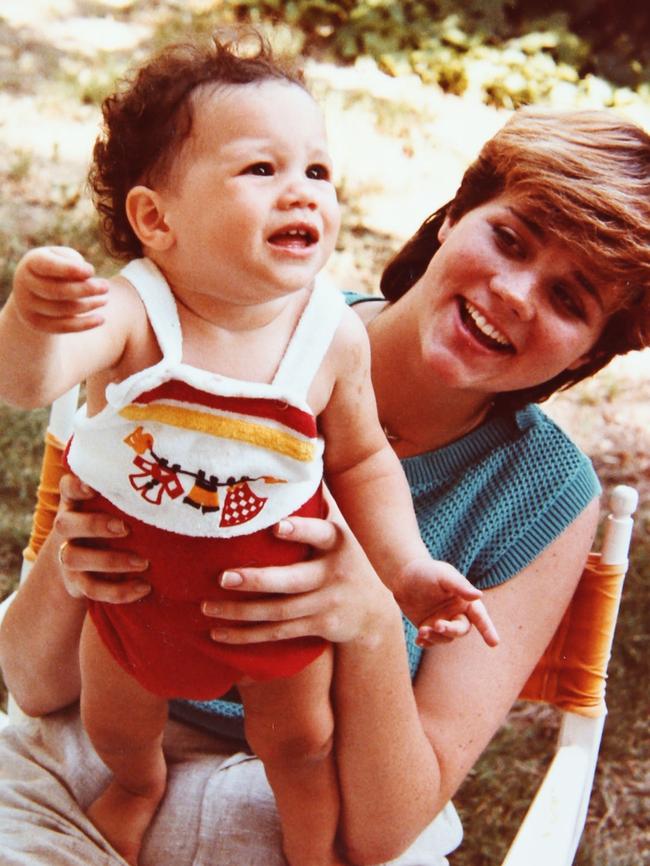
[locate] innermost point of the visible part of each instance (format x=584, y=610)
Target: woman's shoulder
x=500, y=495
x=540, y=446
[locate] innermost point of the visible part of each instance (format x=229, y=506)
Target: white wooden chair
x=570, y=675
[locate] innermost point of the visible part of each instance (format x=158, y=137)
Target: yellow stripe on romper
x=219, y=425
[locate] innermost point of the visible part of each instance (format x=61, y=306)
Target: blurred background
x=411, y=90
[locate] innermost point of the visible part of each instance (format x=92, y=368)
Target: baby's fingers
x=55, y=262
x=68, y=291
x=443, y=631
x=67, y=325
x=64, y=316
x=480, y=619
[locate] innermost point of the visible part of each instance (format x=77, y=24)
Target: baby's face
x=250, y=200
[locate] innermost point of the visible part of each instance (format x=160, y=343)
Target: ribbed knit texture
x=488, y=503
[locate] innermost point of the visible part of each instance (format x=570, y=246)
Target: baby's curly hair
x=149, y=117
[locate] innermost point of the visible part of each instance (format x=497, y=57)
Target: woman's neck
x=417, y=415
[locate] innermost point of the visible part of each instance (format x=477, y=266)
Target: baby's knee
x=311, y=742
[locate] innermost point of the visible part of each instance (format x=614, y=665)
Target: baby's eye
x=318, y=172
x=509, y=241
x=261, y=169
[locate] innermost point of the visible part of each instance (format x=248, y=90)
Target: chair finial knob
x=623, y=501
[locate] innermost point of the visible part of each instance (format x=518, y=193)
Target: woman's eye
x=565, y=296
x=261, y=169
x=509, y=241
x=318, y=172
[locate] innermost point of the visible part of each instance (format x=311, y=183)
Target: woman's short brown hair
x=585, y=177
x=148, y=118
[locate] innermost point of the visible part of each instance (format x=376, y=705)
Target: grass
x=21, y=436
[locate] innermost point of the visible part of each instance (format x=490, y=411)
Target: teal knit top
x=488, y=503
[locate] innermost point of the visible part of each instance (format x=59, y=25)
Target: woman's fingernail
x=218, y=634
x=231, y=578
x=138, y=562
x=85, y=489
x=142, y=588
x=285, y=527
x=116, y=526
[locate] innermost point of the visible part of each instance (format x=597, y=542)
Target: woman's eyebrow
x=534, y=227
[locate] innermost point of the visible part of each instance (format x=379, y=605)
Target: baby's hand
x=54, y=291
x=442, y=603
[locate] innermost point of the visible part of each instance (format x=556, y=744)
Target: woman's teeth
x=484, y=327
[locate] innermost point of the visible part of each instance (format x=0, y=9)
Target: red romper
x=202, y=466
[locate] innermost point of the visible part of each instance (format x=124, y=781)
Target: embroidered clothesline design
x=221, y=426
x=158, y=478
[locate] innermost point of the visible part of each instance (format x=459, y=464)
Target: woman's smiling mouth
x=484, y=332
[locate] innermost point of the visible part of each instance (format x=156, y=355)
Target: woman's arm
x=39, y=639
x=39, y=635
x=402, y=753
x=403, y=763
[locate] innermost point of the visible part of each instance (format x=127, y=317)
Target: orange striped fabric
x=572, y=672
x=47, y=495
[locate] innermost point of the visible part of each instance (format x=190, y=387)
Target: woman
x=533, y=277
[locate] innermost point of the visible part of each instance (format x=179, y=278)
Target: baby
x=221, y=383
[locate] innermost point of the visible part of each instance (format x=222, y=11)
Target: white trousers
x=218, y=809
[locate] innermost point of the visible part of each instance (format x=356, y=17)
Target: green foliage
x=500, y=50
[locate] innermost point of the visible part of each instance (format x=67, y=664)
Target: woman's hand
x=335, y=595
x=80, y=563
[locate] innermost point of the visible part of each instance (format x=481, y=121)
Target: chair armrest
x=551, y=829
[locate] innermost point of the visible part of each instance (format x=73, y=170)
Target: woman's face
x=503, y=305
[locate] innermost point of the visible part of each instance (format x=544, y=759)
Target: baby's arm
x=368, y=483
x=52, y=333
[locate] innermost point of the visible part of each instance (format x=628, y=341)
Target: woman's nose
x=516, y=291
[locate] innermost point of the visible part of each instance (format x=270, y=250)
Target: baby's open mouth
x=295, y=236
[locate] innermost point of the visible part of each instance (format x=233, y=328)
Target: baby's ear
x=146, y=214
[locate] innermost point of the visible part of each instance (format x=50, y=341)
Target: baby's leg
x=290, y=726
x=125, y=724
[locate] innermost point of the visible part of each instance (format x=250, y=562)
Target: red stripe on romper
x=276, y=410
